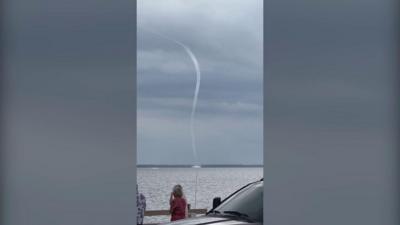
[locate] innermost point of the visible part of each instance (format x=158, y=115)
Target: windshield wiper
x=239, y=214
x=216, y=212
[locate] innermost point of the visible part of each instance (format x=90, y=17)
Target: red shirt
x=178, y=207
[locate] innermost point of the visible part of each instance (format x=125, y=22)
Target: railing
x=166, y=212
x=192, y=212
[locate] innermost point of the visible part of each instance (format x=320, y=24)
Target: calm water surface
x=156, y=185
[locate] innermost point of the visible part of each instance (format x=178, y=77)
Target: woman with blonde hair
x=178, y=203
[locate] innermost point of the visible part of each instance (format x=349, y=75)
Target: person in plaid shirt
x=141, y=206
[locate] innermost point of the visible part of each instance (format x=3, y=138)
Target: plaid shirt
x=141, y=207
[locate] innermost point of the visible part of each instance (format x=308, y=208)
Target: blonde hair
x=178, y=190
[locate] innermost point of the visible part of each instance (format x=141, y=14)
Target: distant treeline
x=188, y=166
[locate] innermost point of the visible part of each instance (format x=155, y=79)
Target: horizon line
x=203, y=165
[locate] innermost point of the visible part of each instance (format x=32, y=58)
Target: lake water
x=156, y=185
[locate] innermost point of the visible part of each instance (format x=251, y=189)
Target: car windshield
x=247, y=203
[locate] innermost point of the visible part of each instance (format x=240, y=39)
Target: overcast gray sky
x=226, y=37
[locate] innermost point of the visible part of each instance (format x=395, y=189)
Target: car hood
x=208, y=220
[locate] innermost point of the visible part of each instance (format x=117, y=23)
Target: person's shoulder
x=182, y=200
x=174, y=202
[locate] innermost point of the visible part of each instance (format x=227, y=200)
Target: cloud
x=226, y=37
x=164, y=62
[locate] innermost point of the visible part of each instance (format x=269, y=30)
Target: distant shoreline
x=203, y=166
